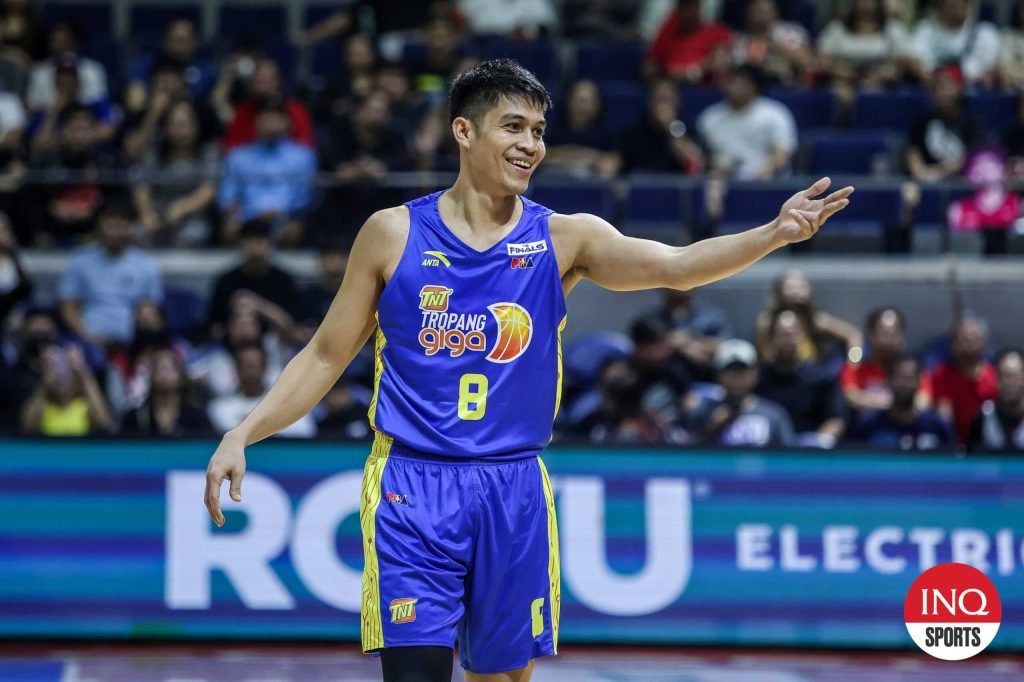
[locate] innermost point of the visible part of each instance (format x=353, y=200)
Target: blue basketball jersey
x=468, y=347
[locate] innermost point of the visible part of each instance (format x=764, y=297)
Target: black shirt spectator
x=937, y=145
x=580, y=141
x=660, y=142
x=999, y=424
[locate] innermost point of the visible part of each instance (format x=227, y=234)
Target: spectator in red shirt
x=687, y=48
x=266, y=84
x=962, y=384
x=865, y=383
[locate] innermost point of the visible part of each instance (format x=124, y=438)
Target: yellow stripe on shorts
x=373, y=473
x=554, y=567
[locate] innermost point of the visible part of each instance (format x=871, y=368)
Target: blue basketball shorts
x=459, y=550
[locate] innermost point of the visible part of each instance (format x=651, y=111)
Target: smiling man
x=466, y=292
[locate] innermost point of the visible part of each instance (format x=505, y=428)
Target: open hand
x=803, y=215
x=228, y=462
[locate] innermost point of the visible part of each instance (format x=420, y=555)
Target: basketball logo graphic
x=952, y=611
x=515, y=329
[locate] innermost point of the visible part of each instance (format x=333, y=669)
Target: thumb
x=236, y=486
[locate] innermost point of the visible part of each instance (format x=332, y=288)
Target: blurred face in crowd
x=954, y=13
x=887, y=335
x=904, y=380
x=510, y=131
x=1011, y=379
x=761, y=14
x=688, y=13
x=78, y=133
x=256, y=251
x=38, y=330
x=787, y=336
x=359, y=56
x=148, y=316
x=272, y=125
x=62, y=39
x=266, y=79
x=252, y=366
x=394, y=83
x=738, y=380
x=65, y=81
x=866, y=10
x=663, y=101
x=372, y=113
x=167, y=374
x=739, y=90
x=115, y=233
x=170, y=82
x=584, y=105
x=243, y=327
x=947, y=92
x=180, y=40
x=181, y=127
x=332, y=266
x=650, y=355
x=968, y=343
x=794, y=289
x=440, y=37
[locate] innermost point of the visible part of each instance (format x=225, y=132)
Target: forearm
x=719, y=257
x=302, y=384
x=99, y=415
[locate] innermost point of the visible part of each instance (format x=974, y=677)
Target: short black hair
x=118, y=206
x=904, y=358
x=481, y=87
x=256, y=228
x=875, y=316
x=648, y=329
x=752, y=73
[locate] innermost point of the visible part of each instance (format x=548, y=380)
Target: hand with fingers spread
x=228, y=462
x=803, y=215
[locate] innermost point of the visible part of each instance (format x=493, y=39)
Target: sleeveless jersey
x=468, y=360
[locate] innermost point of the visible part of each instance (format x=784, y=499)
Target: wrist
x=775, y=240
x=236, y=437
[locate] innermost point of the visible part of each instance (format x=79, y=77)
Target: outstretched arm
x=615, y=261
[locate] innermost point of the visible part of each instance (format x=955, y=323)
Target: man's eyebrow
x=519, y=117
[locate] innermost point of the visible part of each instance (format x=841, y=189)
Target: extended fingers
x=807, y=220
x=839, y=194
x=817, y=188
x=212, y=497
x=832, y=208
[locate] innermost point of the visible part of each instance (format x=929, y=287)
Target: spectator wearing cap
x=808, y=392
x=661, y=141
x=265, y=89
x=748, y=136
x=903, y=425
x=951, y=35
x=270, y=179
x=962, y=384
x=255, y=284
x=105, y=282
x=740, y=417
x=688, y=49
x=65, y=46
x=999, y=424
x=180, y=44
x=938, y=143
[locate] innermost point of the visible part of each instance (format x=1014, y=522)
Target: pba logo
x=952, y=611
x=434, y=298
x=395, y=498
x=403, y=610
x=522, y=262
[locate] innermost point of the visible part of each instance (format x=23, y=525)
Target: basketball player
x=466, y=291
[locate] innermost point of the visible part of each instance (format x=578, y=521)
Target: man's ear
x=462, y=129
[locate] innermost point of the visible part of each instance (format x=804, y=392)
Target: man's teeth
x=521, y=164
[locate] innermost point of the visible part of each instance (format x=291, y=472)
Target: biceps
x=625, y=263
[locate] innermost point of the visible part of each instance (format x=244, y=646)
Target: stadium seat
x=696, y=99
x=995, y=111
x=185, y=310
x=259, y=21
x=895, y=111
x=851, y=152
x=581, y=196
x=931, y=211
x=539, y=57
x=96, y=18
x=873, y=208
x=625, y=104
x=811, y=109
x=749, y=204
x=659, y=203
x=584, y=356
x=602, y=62
x=151, y=19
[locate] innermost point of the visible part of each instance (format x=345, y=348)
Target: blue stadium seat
x=895, y=111
x=260, y=21
x=625, y=103
x=852, y=152
x=584, y=355
x=749, y=204
x=810, y=108
x=151, y=19
x=996, y=111
x=656, y=203
x=696, y=99
x=931, y=212
x=539, y=57
x=609, y=62
x=871, y=209
x=108, y=53
x=95, y=17
x=582, y=196
x=185, y=310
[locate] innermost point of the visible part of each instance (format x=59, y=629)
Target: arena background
x=682, y=560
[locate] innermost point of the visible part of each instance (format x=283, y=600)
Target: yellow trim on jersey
x=378, y=372
x=554, y=566
x=372, y=628
x=558, y=388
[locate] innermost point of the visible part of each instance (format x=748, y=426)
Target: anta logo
x=522, y=262
x=395, y=498
x=434, y=298
x=527, y=249
x=435, y=259
x=403, y=610
x=457, y=333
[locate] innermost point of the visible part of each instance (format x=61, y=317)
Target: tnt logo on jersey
x=403, y=610
x=522, y=262
x=434, y=298
x=457, y=333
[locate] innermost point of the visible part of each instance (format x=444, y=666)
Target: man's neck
x=472, y=208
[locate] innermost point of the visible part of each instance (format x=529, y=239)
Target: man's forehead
x=515, y=109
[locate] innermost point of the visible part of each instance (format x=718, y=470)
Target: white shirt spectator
x=503, y=17
x=974, y=46
x=838, y=42
x=228, y=412
x=12, y=114
x=92, y=79
x=748, y=137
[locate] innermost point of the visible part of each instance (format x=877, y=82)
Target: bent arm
x=345, y=329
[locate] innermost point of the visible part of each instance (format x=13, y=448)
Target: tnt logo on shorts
x=403, y=610
x=952, y=611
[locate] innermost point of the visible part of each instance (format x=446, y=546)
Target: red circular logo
x=952, y=611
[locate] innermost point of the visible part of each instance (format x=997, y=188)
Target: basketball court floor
x=277, y=664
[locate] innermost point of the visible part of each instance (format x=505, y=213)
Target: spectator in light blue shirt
x=105, y=282
x=270, y=179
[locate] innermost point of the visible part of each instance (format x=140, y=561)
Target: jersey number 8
x=472, y=396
